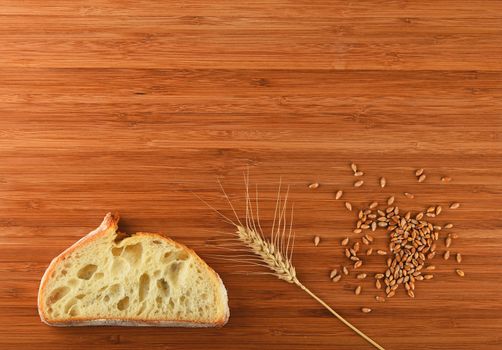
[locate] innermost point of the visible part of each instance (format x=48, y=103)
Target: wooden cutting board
x=134, y=106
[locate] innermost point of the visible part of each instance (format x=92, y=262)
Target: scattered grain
x=428, y=277
x=358, y=173
x=345, y=241
x=460, y=272
x=448, y=226
x=459, y=258
x=338, y=194
x=314, y=185
x=379, y=299
x=337, y=278
x=366, y=310
x=447, y=242
x=421, y=178
x=373, y=205
x=333, y=273
x=390, y=200
x=358, y=183
x=419, y=172
x=348, y=206
x=357, y=291
x=446, y=255
x=345, y=270
x=455, y=205
x=317, y=240
x=381, y=252
x=445, y=179
x=358, y=264
x=369, y=251
x=383, y=182
x=438, y=209
x=378, y=284
x=409, y=195
x=353, y=167
x=361, y=276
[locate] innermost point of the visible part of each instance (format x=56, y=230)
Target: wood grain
x=134, y=105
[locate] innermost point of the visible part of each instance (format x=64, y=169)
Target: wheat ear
x=274, y=252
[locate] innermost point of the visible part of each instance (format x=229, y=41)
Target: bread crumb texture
x=141, y=277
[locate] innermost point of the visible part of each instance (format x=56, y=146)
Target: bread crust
x=110, y=223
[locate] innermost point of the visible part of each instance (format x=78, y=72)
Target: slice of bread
x=145, y=279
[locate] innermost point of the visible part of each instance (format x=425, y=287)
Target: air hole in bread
x=167, y=257
x=158, y=300
x=156, y=273
x=99, y=275
x=64, y=272
x=57, y=294
x=73, y=282
x=156, y=242
x=163, y=287
x=144, y=286
x=117, y=251
x=87, y=271
x=141, y=309
x=123, y=304
x=182, y=256
x=115, y=289
x=106, y=298
x=133, y=252
x=80, y=296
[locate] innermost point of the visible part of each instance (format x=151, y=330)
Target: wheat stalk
x=274, y=252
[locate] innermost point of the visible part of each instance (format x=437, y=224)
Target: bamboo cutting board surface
x=134, y=106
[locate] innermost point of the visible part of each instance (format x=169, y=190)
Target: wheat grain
x=358, y=173
x=383, y=182
x=358, y=183
x=366, y=310
x=345, y=241
x=454, y=205
x=314, y=185
x=353, y=167
x=338, y=194
x=459, y=258
x=333, y=273
x=317, y=240
x=419, y=172
x=421, y=178
x=337, y=278
x=348, y=206
x=460, y=272
x=357, y=291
